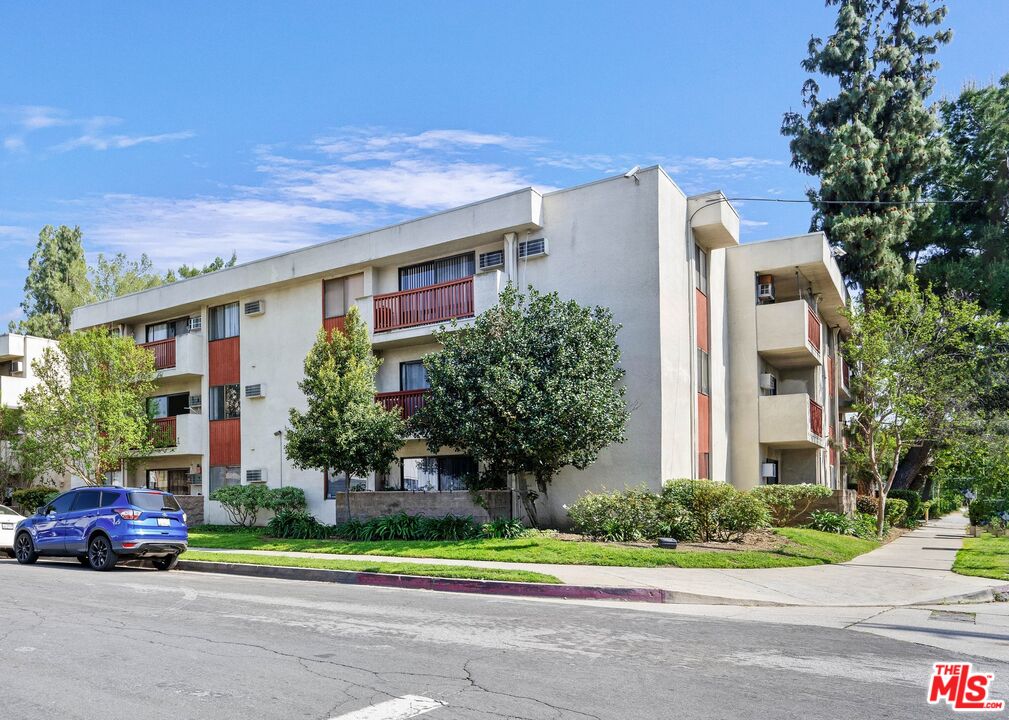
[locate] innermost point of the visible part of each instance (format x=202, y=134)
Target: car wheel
x=100, y=553
x=83, y=560
x=166, y=563
x=24, y=549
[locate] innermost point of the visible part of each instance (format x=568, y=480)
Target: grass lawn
x=800, y=547
x=985, y=556
x=444, y=571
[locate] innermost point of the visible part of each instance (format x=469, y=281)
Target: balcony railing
x=408, y=401
x=163, y=351
x=334, y=323
x=424, y=306
x=163, y=432
x=815, y=418
x=845, y=375
x=813, y=328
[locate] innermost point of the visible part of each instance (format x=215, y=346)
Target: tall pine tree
x=875, y=140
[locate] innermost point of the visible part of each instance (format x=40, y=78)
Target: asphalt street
x=136, y=643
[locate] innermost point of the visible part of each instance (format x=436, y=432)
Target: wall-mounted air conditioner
x=255, y=391
x=765, y=288
x=255, y=475
x=195, y=403
x=195, y=323
x=767, y=381
x=255, y=307
x=17, y=367
x=533, y=248
x=491, y=260
x=769, y=470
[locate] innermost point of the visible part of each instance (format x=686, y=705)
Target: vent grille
x=195, y=323
x=17, y=367
x=255, y=307
x=256, y=475
x=255, y=391
x=533, y=248
x=492, y=259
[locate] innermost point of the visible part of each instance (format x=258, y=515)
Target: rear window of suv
x=153, y=501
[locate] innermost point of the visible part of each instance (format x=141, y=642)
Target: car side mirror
x=40, y=510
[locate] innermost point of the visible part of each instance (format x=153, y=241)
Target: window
x=61, y=504
x=153, y=501
x=427, y=474
x=224, y=321
x=703, y=372
x=87, y=500
x=166, y=330
x=701, y=269
x=413, y=375
x=173, y=481
x=163, y=406
x=437, y=271
x=110, y=498
x=225, y=402
x=223, y=475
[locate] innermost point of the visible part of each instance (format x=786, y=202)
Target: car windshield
x=4, y=510
x=153, y=501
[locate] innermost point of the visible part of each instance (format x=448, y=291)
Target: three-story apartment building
x=700, y=335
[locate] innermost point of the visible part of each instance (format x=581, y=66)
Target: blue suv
x=100, y=526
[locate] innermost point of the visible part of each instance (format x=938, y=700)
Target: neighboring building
x=696, y=337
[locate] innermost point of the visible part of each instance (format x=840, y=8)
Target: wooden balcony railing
x=812, y=328
x=163, y=432
x=334, y=323
x=164, y=353
x=424, y=306
x=845, y=374
x=815, y=418
x=408, y=401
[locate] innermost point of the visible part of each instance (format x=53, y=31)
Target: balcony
x=788, y=334
x=408, y=401
x=791, y=421
x=178, y=435
x=844, y=383
x=179, y=356
x=11, y=389
x=424, y=306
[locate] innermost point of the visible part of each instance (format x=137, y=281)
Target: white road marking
x=401, y=708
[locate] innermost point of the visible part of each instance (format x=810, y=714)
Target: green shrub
x=827, y=521
x=945, y=503
x=865, y=526
x=242, y=503
x=717, y=510
x=896, y=511
x=29, y=498
x=742, y=513
x=617, y=517
x=298, y=525
x=503, y=528
x=867, y=504
x=350, y=530
x=402, y=526
x=788, y=502
x=980, y=511
x=449, y=527
x=286, y=499
x=913, y=500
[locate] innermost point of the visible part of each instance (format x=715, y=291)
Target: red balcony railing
x=164, y=353
x=845, y=374
x=431, y=304
x=163, y=432
x=815, y=418
x=408, y=401
x=334, y=323
x=812, y=329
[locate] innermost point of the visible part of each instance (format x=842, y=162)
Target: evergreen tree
x=875, y=140
x=57, y=282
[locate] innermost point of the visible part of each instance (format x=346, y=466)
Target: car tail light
x=129, y=544
x=128, y=514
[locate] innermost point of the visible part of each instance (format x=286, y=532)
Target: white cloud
x=752, y=223
x=99, y=142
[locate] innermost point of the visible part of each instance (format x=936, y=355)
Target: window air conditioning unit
x=17, y=367
x=195, y=402
x=765, y=288
x=532, y=248
x=195, y=323
x=255, y=307
x=122, y=330
x=767, y=381
x=492, y=259
x=257, y=475
x=769, y=470
x=255, y=391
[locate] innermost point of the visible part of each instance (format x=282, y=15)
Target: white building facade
x=697, y=340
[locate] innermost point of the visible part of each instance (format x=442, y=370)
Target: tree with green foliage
x=964, y=246
x=119, y=275
x=57, y=282
x=875, y=140
x=532, y=386
x=218, y=263
x=87, y=414
x=919, y=361
x=343, y=430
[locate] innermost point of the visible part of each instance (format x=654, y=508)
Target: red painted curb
x=418, y=582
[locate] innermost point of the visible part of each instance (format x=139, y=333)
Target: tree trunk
x=880, y=510
x=911, y=466
x=528, y=500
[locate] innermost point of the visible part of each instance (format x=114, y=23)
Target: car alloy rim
x=99, y=552
x=24, y=548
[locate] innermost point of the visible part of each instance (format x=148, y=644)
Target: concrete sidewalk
x=912, y=570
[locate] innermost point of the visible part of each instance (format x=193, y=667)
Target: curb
x=417, y=582
x=999, y=593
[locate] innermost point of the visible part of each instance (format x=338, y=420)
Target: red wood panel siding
x=815, y=417
x=163, y=351
x=224, y=361
x=813, y=329
x=702, y=320
x=703, y=436
x=334, y=323
x=226, y=442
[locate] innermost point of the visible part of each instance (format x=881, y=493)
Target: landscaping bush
x=449, y=527
x=298, y=525
x=401, y=526
x=946, y=503
x=503, y=529
x=29, y=498
x=865, y=526
x=981, y=511
x=896, y=512
x=286, y=499
x=913, y=500
x=242, y=503
x=742, y=513
x=618, y=517
x=832, y=522
x=867, y=504
x=350, y=530
x=718, y=511
x=788, y=502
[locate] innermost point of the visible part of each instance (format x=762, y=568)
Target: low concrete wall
x=841, y=501
x=193, y=507
x=364, y=505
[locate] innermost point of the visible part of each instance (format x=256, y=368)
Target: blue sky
x=190, y=129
